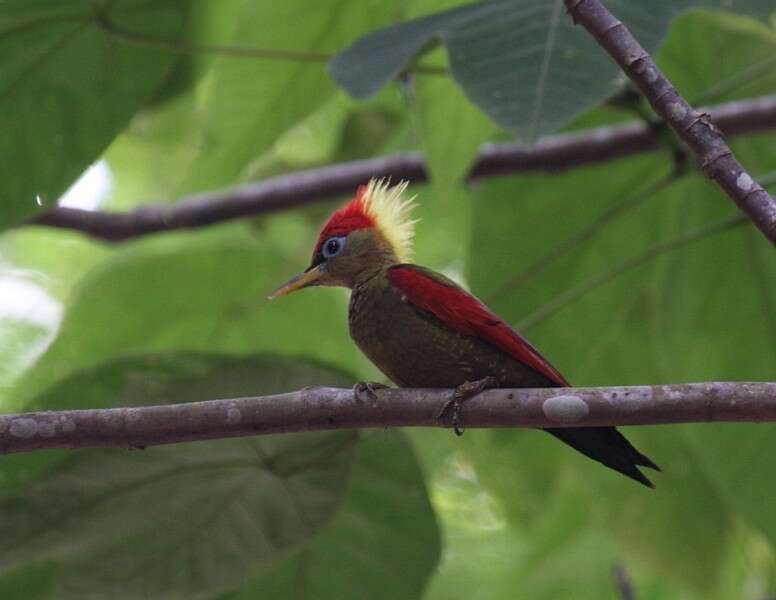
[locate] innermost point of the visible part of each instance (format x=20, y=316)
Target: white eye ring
x=332, y=247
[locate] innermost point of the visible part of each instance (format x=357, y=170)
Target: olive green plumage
x=414, y=349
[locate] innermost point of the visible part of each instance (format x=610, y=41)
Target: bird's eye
x=332, y=247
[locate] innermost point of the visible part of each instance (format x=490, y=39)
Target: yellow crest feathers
x=391, y=212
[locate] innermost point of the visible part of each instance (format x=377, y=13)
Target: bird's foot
x=462, y=393
x=365, y=390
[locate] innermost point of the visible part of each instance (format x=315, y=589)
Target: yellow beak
x=308, y=277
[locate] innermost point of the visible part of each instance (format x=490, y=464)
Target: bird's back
x=415, y=349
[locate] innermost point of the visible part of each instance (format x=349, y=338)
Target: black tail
x=609, y=447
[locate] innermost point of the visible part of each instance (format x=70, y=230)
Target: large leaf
x=701, y=312
x=383, y=543
x=198, y=292
x=449, y=151
x=68, y=88
x=181, y=521
x=624, y=333
x=246, y=104
x=520, y=61
x=730, y=335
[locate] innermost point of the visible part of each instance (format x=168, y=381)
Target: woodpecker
x=423, y=330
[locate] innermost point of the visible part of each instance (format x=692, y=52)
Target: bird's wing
x=459, y=310
x=462, y=312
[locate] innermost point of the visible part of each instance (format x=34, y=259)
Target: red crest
x=350, y=217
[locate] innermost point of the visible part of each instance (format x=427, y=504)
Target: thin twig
x=551, y=154
x=315, y=409
x=695, y=128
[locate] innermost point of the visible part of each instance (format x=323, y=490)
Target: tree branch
x=694, y=127
x=551, y=153
x=314, y=409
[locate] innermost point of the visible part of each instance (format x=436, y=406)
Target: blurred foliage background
x=115, y=104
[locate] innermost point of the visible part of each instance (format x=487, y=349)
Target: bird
x=423, y=330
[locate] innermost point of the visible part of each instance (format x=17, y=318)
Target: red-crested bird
x=423, y=330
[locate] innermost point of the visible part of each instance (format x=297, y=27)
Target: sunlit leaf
x=247, y=104
x=198, y=292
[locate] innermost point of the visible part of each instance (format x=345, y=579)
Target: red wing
x=462, y=312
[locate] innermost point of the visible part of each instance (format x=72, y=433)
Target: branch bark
x=696, y=128
x=551, y=153
x=316, y=409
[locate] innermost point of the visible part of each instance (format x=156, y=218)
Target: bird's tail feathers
x=609, y=447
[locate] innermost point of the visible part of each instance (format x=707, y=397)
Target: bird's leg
x=462, y=393
x=365, y=390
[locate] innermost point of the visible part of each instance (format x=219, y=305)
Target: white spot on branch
x=678, y=110
x=23, y=428
x=47, y=429
x=744, y=181
x=565, y=409
x=233, y=416
x=67, y=425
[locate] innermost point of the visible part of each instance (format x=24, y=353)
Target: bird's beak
x=308, y=277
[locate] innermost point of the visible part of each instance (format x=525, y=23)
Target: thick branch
x=329, y=408
x=694, y=127
x=551, y=153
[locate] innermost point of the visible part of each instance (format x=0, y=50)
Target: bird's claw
x=365, y=390
x=462, y=393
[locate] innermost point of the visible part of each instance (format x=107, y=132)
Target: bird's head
x=371, y=231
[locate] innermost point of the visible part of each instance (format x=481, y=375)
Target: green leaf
x=624, y=333
x=556, y=550
x=522, y=62
x=452, y=131
x=383, y=543
x=34, y=582
x=747, y=70
x=701, y=312
x=247, y=104
x=201, y=291
x=68, y=88
x=150, y=159
x=179, y=521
